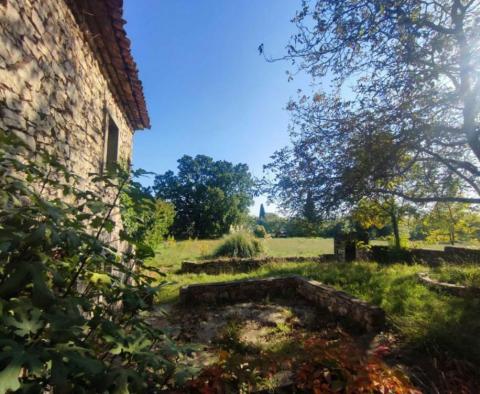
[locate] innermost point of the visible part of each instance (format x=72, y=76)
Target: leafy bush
x=239, y=244
x=144, y=218
x=70, y=304
x=163, y=217
x=260, y=231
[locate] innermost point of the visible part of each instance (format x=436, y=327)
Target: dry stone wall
x=219, y=266
x=462, y=255
x=53, y=93
x=451, y=255
x=341, y=304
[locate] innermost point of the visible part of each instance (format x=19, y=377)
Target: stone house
x=68, y=82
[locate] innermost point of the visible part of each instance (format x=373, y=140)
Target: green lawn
x=422, y=316
x=282, y=247
x=170, y=255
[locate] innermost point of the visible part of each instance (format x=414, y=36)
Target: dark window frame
x=111, y=144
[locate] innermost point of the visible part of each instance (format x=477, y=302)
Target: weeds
x=467, y=275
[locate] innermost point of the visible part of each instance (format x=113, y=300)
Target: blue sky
x=207, y=89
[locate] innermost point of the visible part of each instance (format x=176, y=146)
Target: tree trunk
x=451, y=225
x=396, y=231
x=452, y=235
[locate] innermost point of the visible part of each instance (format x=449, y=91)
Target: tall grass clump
x=239, y=244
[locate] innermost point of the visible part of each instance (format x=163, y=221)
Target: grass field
x=424, y=317
x=170, y=255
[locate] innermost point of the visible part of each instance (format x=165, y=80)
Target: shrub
x=144, y=218
x=71, y=306
x=239, y=244
x=260, y=231
x=163, y=217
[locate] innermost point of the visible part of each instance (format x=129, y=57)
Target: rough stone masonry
x=339, y=303
x=53, y=93
x=62, y=83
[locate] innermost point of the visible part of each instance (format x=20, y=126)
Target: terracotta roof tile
x=103, y=23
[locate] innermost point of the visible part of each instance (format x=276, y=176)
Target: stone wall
x=342, y=304
x=237, y=291
x=462, y=255
x=53, y=93
x=219, y=266
x=336, y=302
x=452, y=255
x=449, y=288
x=380, y=254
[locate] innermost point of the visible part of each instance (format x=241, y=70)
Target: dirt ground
x=262, y=344
x=256, y=333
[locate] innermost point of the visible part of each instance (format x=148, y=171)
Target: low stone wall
x=430, y=257
x=385, y=254
x=462, y=255
x=237, y=291
x=342, y=304
x=339, y=303
x=450, y=288
x=219, y=266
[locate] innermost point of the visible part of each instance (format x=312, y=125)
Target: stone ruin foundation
x=262, y=322
x=338, y=303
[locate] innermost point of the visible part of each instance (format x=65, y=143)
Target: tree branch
x=466, y=200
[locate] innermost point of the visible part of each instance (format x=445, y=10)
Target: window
x=111, y=144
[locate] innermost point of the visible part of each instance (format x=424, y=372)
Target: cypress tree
x=261, y=215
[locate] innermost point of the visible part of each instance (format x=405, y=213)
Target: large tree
x=398, y=109
x=209, y=196
x=380, y=213
x=451, y=222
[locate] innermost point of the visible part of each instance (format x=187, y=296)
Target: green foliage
x=301, y=227
x=451, y=222
x=260, y=231
x=372, y=213
x=309, y=212
x=239, y=244
x=275, y=224
x=209, y=196
x=71, y=305
x=163, y=218
x=145, y=220
x=421, y=137
x=466, y=275
x=170, y=255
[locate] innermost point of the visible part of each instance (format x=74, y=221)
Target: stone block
x=27, y=139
